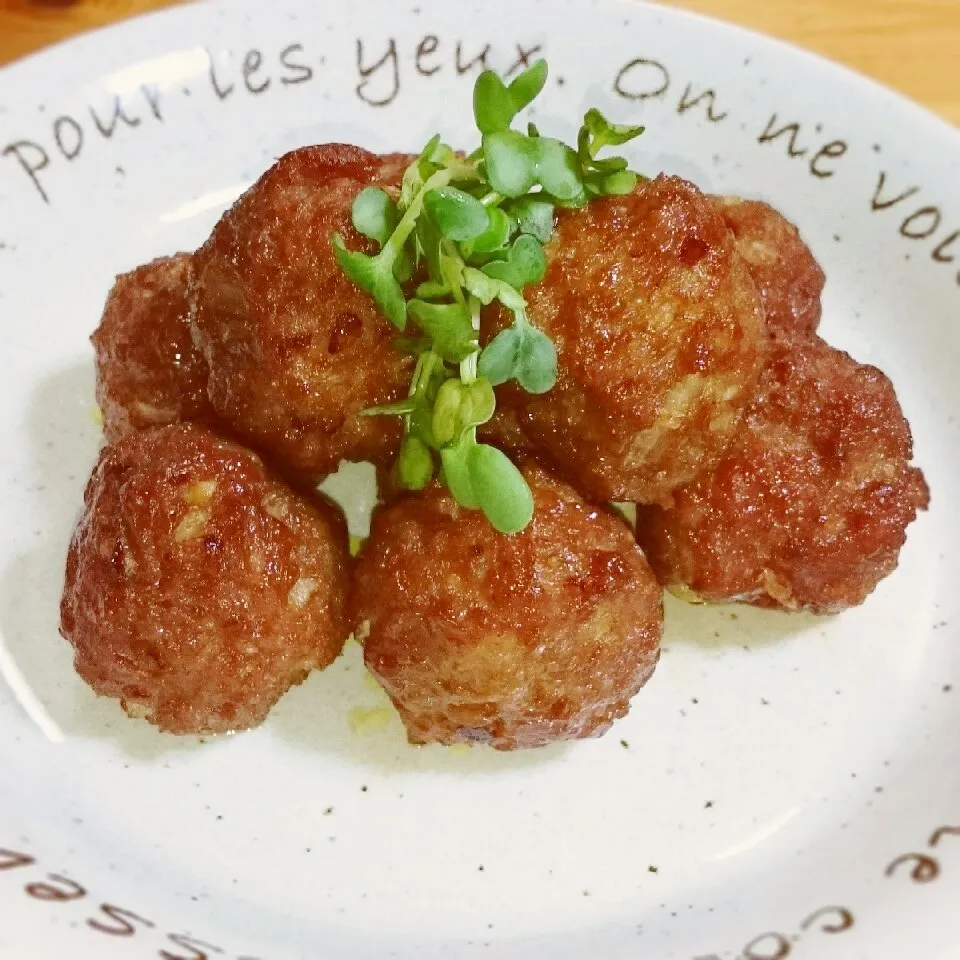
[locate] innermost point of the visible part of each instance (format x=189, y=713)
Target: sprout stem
x=408, y=222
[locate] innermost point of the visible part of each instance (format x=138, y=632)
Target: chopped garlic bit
x=153, y=414
x=301, y=592
x=199, y=494
x=192, y=525
x=96, y=415
x=276, y=506
x=136, y=709
x=682, y=592
x=780, y=591
x=758, y=252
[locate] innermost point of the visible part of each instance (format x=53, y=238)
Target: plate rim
x=107, y=33
x=85, y=46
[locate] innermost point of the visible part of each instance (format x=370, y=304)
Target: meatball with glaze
x=149, y=373
x=660, y=340
x=504, y=430
x=296, y=351
x=198, y=587
x=810, y=509
x=516, y=641
x=788, y=277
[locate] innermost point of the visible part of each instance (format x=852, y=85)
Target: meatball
x=660, y=340
x=810, y=510
x=198, y=587
x=516, y=641
x=296, y=351
x=788, y=278
x=149, y=373
x=505, y=431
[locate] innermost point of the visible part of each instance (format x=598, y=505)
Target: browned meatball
x=788, y=278
x=660, y=340
x=198, y=587
x=505, y=431
x=517, y=641
x=811, y=508
x=295, y=350
x=149, y=373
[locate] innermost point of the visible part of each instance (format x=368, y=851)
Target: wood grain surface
x=910, y=45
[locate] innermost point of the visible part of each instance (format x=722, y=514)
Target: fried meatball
x=296, y=351
x=788, y=277
x=660, y=340
x=810, y=510
x=198, y=587
x=149, y=373
x=516, y=641
x=505, y=431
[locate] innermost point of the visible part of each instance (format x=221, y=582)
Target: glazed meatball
x=296, y=351
x=516, y=641
x=788, y=278
x=149, y=373
x=198, y=587
x=810, y=510
x=505, y=431
x=660, y=339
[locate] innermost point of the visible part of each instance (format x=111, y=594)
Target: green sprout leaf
x=448, y=324
x=606, y=134
x=487, y=289
x=457, y=215
x=431, y=151
x=497, y=234
x=516, y=163
x=537, y=362
x=499, y=488
x=527, y=86
x=610, y=176
x=498, y=361
x=415, y=464
x=446, y=410
x=558, y=170
x=609, y=165
x=479, y=285
x=511, y=162
x=493, y=105
x=520, y=353
x=375, y=214
x=429, y=241
x=620, y=183
x=534, y=215
x=460, y=407
x=525, y=264
x=375, y=276
x=481, y=403
x=456, y=473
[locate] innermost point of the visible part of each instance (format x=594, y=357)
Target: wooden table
x=911, y=45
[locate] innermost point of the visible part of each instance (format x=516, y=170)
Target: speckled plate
x=785, y=787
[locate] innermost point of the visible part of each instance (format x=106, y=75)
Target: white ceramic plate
x=785, y=786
